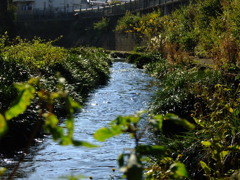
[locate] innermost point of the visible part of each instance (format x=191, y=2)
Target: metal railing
x=101, y=10
x=132, y=6
x=48, y=13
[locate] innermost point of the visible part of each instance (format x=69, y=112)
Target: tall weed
x=226, y=52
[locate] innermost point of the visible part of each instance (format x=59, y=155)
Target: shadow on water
x=128, y=91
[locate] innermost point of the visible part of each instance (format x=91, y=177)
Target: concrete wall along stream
x=77, y=32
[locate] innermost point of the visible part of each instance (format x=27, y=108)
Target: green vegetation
x=133, y=168
x=194, y=114
x=208, y=29
x=115, y=3
x=210, y=99
x=102, y=25
x=207, y=95
x=77, y=71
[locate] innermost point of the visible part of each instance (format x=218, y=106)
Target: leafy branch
x=133, y=168
x=30, y=91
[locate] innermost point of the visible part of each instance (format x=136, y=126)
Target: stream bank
x=81, y=69
x=129, y=90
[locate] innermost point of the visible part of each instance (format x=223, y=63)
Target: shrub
x=126, y=23
x=140, y=59
x=210, y=99
x=102, y=25
x=177, y=93
x=35, y=54
x=200, y=28
x=208, y=9
x=82, y=68
x=226, y=52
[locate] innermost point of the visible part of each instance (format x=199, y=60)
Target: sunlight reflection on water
x=129, y=90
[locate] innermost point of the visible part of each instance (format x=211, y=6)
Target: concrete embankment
x=77, y=32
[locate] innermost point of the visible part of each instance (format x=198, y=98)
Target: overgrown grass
x=82, y=68
x=207, y=97
x=210, y=99
x=208, y=29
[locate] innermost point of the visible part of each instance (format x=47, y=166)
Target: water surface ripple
x=129, y=90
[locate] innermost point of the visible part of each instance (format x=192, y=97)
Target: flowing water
x=128, y=91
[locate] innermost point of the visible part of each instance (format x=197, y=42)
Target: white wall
x=58, y=5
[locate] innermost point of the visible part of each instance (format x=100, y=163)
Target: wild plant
x=226, y=52
x=31, y=90
x=102, y=25
x=175, y=54
x=220, y=127
x=126, y=23
x=133, y=168
x=157, y=44
x=36, y=54
x=208, y=9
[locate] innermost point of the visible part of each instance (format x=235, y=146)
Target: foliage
x=34, y=54
x=176, y=94
x=82, y=68
x=42, y=100
x=129, y=124
x=206, y=97
x=141, y=59
x=220, y=144
x=209, y=9
x=115, y=2
x=28, y=92
x=125, y=24
x=102, y=25
x=208, y=28
x=133, y=168
x=146, y=25
x=216, y=112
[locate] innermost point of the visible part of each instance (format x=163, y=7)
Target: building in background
x=48, y=6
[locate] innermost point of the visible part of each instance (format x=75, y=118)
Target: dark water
x=128, y=91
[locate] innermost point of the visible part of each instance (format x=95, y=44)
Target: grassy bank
x=76, y=71
x=206, y=97
x=206, y=94
x=209, y=99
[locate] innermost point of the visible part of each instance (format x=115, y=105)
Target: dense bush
x=125, y=24
x=141, y=59
x=102, y=25
x=82, y=68
x=208, y=29
x=35, y=54
x=210, y=99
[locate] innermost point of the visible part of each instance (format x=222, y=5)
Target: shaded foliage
x=82, y=68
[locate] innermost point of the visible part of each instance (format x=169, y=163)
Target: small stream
x=128, y=91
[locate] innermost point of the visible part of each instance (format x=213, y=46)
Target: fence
x=132, y=6
x=102, y=10
x=50, y=13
